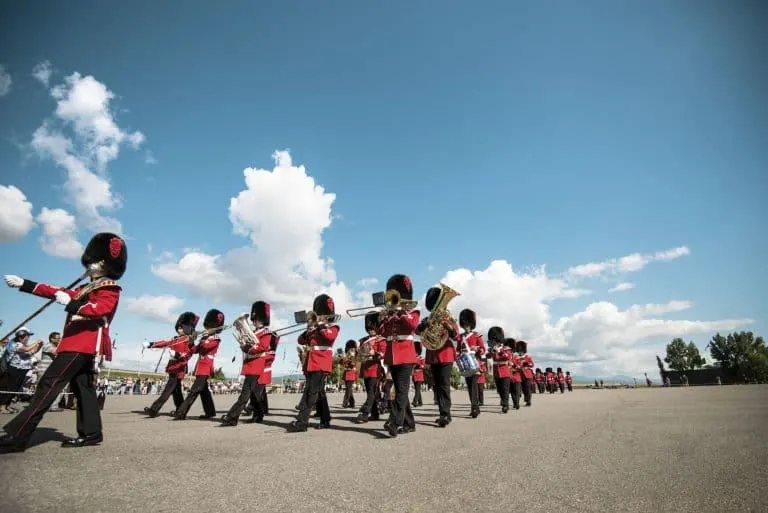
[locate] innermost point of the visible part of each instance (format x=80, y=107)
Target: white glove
x=146, y=344
x=13, y=281
x=63, y=298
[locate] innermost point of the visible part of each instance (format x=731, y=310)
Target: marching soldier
x=441, y=361
x=516, y=374
x=398, y=327
x=500, y=356
x=319, y=338
x=569, y=381
x=527, y=364
x=540, y=379
x=561, y=380
x=418, y=377
x=85, y=340
x=177, y=366
x=259, y=397
x=550, y=377
x=481, y=380
x=254, y=359
x=349, y=364
x=373, y=348
x=206, y=350
x=471, y=341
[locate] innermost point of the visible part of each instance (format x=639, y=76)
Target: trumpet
x=388, y=301
x=293, y=328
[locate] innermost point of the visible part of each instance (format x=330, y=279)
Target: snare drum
x=468, y=365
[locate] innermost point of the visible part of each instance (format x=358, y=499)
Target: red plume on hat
x=323, y=305
x=402, y=284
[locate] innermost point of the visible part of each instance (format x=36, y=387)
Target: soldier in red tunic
x=254, y=358
x=418, y=377
x=441, y=361
x=550, y=378
x=500, y=356
x=398, y=327
x=206, y=350
x=471, y=341
x=180, y=346
x=481, y=379
x=569, y=381
x=260, y=398
x=540, y=379
x=527, y=364
x=373, y=348
x=85, y=340
x=349, y=365
x=561, y=380
x=515, y=374
x=319, y=338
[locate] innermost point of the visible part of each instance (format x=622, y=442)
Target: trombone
x=304, y=320
x=388, y=301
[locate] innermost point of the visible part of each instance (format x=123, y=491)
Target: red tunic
x=528, y=366
x=539, y=377
x=501, y=359
x=418, y=371
x=516, y=373
x=398, y=328
x=350, y=370
x=561, y=378
x=550, y=378
x=253, y=360
x=206, y=350
x=569, y=380
x=320, y=340
x=473, y=341
x=177, y=365
x=265, y=378
x=447, y=353
x=370, y=368
x=86, y=329
x=483, y=371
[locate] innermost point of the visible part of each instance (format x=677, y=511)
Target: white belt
x=267, y=369
x=400, y=338
x=320, y=348
x=209, y=356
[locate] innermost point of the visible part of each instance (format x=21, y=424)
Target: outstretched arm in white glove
x=63, y=298
x=13, y=281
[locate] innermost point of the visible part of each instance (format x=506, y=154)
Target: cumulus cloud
x=43, y=72
x=59, y=233
x=157, y=308
x=83, y=138
x=620, y=287
x=626, y=264
x=15, y=214
x=5, y=81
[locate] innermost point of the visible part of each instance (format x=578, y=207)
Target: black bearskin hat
x=467, y=318
x=495, y=335
x=323, y=305
x=213, y=319
x=351, y=344
x=538, y=370
x=567, y=373
x=521, y=346
x=559, y=369
x=417, y=346
x=187, y=319
x=510, y=343
x=433, y=295
x=371, y=321
x=260, y=312
x=339, y=351
x=548, y=369
x=110, y=249
x=402, y=284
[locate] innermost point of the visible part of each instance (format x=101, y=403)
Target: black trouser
x=441, y=372
x=502, y=387
x=417, y=394
x=259, y=401
x=540, y=386
x=527, y=386
x=386, y=393
x=314, y=394
x=249, y=386
x=172, y=388
x=349, y=398
x=400, y=413
x=552, y=387
x=370, y=408
x=75, y=369
x=515, y=388
x=562, y=387
x=472, y=389
x=480, y=394
x=199, y=387
x=570, y=387
x=11, y=381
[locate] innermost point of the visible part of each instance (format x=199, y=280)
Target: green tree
x=741, y=356
x=219, y=374
x=683, y=357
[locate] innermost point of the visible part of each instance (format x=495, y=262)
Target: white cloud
x=43, y=72
x=622, y=287
x=283, y=213
x=626, y=264
x=15, y=214
x=83, y=107
x=158, y=308
x=59, y=233
x=5, y=81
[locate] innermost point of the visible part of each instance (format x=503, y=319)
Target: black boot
x=297, y=426
x=226, y=420
x=11, y=444
x=83, y=441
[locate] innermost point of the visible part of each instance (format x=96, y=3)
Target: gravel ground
x=681, y=449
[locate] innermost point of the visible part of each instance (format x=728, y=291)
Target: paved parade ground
x=677, y=450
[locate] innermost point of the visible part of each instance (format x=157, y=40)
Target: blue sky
x=451, y=137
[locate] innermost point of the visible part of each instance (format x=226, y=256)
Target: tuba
x=434, y=336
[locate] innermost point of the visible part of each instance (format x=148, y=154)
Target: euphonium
x=434, y=336
x=393, y=301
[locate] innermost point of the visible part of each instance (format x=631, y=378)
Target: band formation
x=388, y=359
